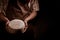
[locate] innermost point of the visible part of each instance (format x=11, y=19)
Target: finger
x=6, y=23
x=25, y=29
x=26, y=25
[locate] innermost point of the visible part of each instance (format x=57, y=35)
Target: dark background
x=43, y=20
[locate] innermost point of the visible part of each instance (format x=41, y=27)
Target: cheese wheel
x=16, y=24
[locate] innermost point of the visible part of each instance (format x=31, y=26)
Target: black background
x=43, y=20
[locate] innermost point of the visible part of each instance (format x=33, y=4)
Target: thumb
x=26, y=24
x=7, y=23
x=24, y=29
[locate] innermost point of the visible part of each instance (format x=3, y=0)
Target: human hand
x=7, y=23
x=26, y=26
x=8, y=29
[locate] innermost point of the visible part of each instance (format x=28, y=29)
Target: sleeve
x=0, y=5
x=36, y=5
x=3, y=6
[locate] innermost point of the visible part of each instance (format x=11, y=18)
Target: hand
x=7, y=26
x=26, y=26
x=8, y=29
x=7, y=23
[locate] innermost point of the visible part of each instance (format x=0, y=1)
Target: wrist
x=6, y=20
x=26, y=20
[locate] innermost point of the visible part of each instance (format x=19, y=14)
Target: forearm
x=2, y=17
x=31, y=16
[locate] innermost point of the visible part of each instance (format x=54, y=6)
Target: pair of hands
x=22, y=30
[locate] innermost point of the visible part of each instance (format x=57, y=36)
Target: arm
x=3, y=6
x=35, y=8
x=31, y=16
x=2, y=17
